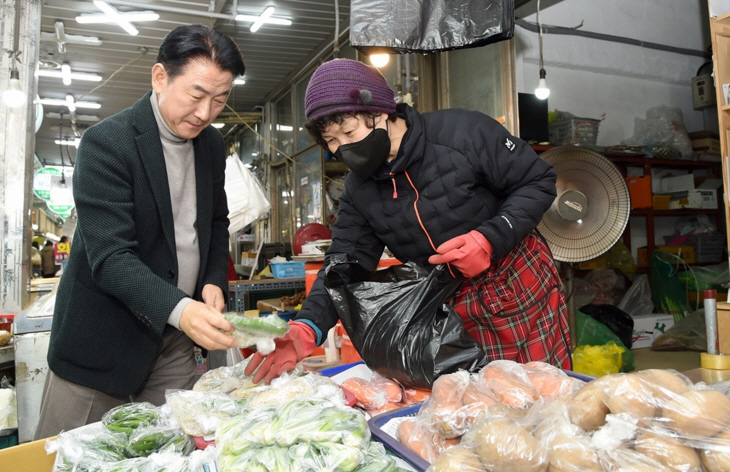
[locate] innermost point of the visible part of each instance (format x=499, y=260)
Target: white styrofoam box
x=31, y=368
x=698, y=198
x=649, y=327
x=679, y=183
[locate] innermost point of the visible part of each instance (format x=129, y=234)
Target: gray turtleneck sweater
x=180, y=163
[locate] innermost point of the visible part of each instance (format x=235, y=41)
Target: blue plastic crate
x=288, y=269
x=377, y=422
x=8, y=437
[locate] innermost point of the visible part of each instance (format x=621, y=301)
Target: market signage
x=55, y=186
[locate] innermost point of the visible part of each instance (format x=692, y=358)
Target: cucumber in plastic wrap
x=260, y=331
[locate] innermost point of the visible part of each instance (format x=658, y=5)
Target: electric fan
x=589, y=214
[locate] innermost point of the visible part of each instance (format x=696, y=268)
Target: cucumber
x=269, y=326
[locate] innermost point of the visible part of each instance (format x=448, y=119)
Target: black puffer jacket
x=456, y=171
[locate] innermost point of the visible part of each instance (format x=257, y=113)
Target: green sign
x=55, y=186
x=43, y=180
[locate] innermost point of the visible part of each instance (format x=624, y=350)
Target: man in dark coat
x=147, y=274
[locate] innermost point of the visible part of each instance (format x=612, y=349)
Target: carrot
x=549, y=381
x=393, y=391
x=415, y=395
x=448, y=389
x=387, y=407
x=509, y=384
x=473, y=394
x=368, y=397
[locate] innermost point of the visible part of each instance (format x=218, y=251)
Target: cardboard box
x=698, y=198
x=594, y=263
x=687, y=253
x=28, y=457
x=640, y=191
x=648, y=327
x=676, y=184
x=661, y=202
x=723, y=327
x=706, y=146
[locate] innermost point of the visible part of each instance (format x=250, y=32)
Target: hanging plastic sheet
x=423, y=26
x=398, y=321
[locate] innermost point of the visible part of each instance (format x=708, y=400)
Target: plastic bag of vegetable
x=398, y=320
x=86, y=447
x=288, y=387
x=666, y=289
x=200, y=413
x=146, y=440
x=130, y=416
x=260, y=331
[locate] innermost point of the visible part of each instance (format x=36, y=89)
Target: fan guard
x=592, y=208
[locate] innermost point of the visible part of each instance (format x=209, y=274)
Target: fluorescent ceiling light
x=218, y=125
x=73, y=75
x=68, y=142
x=238, y=81
x=62, y=103
x=284, y=128
x=62, y=39
x=57, y=116
x=70, y=103
x=112, y=15
x=66, y=73
x=265, y=17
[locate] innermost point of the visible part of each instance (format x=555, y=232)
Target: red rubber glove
x=299, y=342
x=471, y=253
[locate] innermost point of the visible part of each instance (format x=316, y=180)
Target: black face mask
x=367, y=155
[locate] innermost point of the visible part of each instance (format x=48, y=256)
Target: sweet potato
x=418, y=439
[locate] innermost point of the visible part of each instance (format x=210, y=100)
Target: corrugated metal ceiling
x=272, y=54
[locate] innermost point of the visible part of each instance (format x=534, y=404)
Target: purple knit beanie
x=344, y=85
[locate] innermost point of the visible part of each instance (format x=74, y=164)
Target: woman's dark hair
x=35, y=244
x=189, y=42
x=317, y=127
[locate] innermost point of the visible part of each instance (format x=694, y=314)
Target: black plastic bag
x=398, y=321
x=617, y=320
x=427, y=26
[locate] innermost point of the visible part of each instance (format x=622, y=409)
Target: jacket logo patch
x=509, y=144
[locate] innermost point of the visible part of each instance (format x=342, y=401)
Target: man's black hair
x=190, y=42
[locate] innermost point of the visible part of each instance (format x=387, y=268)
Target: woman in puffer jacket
x=446, y=187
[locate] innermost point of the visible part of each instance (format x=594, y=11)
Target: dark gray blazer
x=120, y=284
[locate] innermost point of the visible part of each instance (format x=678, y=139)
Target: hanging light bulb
x=14, y=96
x=542, y=91
x=379, y=60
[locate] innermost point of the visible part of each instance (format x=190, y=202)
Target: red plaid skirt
x=516, y=309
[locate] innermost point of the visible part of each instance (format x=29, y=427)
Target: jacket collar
x=412, y=144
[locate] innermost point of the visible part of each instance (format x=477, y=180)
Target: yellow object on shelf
x=714, y=361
